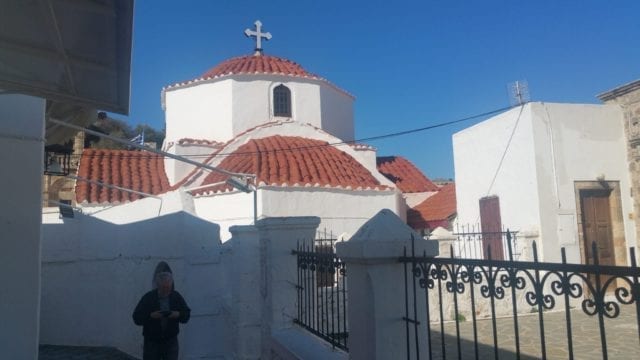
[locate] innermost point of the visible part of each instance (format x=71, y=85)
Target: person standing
x=159, y=312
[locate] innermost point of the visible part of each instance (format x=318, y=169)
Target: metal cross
x=258, y=35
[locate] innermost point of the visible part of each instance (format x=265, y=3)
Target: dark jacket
x=152, y=328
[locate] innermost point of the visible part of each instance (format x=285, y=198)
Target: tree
x=151, y=135
x=122, y=130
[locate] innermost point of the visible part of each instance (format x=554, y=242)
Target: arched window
x=281, y=101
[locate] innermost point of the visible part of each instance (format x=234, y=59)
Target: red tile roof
x=289, y=160
x=136, y=170
x=435, y=211
x=407, y=177
x=262, y=64
x=254, y=65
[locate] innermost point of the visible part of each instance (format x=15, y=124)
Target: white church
x=270, y=160
x=285, y=134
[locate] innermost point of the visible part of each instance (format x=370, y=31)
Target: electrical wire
x=339, y=143
x=506, y=150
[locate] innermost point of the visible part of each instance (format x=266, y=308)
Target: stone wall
x=628, y=97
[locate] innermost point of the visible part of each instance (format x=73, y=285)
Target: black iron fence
x=322, y=292
x=490, y=288
x=472, y=243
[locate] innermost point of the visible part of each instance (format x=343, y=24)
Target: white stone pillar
x=21, y=157
x=376, y=288
x=246, y=310
x=278, y=237
x=445, y=239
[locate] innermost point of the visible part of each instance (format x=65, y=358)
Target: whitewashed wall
x=177, y=170
x=478, y=152
x=221, y=109
x=340, y=211
x=199, y=112
x=94, y=273
x=577, y=143
x=21, y=155
x=531, y=162
x=141, y=209
x=337, y=113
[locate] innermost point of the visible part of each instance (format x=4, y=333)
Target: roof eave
x=203, y=80
x=619, y=91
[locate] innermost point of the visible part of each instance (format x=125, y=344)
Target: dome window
x=281, y=101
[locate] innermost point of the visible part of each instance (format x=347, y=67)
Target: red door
x=491, y=226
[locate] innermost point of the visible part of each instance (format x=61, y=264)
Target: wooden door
x=596, y=226
x=491, y=225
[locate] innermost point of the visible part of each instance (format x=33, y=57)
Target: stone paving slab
x=58, y=352
x=622, y=337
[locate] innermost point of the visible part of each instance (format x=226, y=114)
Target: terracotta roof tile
x=407, y=177
x=135, y=170
x=255, y=65
x=263, y=64
x=359, y=146
x=310, y=163
x=435, y=211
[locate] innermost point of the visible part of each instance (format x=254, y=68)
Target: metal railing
x=597, y=292
x=472, y=243
x=322, y=292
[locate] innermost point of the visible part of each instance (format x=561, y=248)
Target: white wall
x=201, y=111
x=552, y=146
x=253, y=100
x=177, y=170
x=21, y=155
x=339, y=211
x=94, y=273
x=576, y=142
x=337, y=113
x=221, y=109
x=478, y=157
x=228, y=209
x=141, y=209
x=367, y=156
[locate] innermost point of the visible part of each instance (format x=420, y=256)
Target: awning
x=70, y=51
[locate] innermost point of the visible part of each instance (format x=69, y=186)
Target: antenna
x=518, y=92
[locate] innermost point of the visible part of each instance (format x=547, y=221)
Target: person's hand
x=174, y=315
x=156, y=315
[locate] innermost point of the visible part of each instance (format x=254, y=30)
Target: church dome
x=293, y=161
x=257, y=64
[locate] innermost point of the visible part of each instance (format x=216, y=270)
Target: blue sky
x=410, y=64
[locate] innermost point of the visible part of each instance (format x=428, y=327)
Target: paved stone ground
x=622, y=337
x=56, y=352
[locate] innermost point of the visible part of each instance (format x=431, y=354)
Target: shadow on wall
x=94, y=272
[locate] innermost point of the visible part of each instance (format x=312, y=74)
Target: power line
x=351, y=142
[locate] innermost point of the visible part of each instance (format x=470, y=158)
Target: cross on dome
x=258, y=34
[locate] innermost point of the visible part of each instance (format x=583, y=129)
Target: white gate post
x=376, y=288
x=278, y=237
x=245, y=295
x=21, y=155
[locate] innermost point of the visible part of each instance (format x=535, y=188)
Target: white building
x=267, y=117
x=558, y=171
